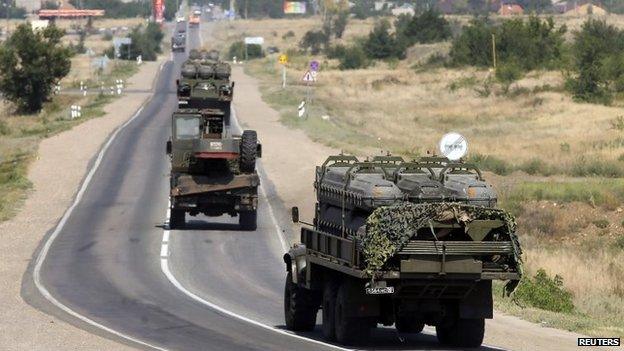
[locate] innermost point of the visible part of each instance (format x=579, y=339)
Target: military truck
x=212, y=168
x=403, y=243
x=178, y=42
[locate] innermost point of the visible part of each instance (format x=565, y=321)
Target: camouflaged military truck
x=212, y=169
x=403, y=243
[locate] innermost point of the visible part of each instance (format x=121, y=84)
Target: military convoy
x=212, y=168
x=403, y=243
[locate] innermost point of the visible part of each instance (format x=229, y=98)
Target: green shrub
x=617, y=123
x=598, y=67
x=537, y=166
x=336, y=52
x=4, y=128
x=584, y=167
x=531, y=44
x=289, y=34
x=507, y=73
x=619, y=242
x=237, y=49
x=313, y=41
x=254, y=51
x=491, y=163
x=601, y=223
x=382, y=44
x=428, y=27
x=353, y=58
x=544, y=292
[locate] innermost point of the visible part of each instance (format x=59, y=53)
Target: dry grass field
x=559, y=163
x=20, y=134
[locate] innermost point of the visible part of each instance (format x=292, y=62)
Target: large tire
x=248, y=151
x=177, y=219
x=407, y=324
x=349, y=330
x=300, y=307
x=330, y=290
x=248, y=220
x=466, y=333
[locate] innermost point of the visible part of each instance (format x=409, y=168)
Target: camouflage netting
x=389, y=228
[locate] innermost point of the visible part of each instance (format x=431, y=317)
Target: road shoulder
x=59, y=169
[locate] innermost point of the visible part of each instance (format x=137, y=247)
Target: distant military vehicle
x=178, y=42
x=212, y=169
x=403, y=243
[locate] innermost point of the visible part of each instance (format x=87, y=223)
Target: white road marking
x=59, y=227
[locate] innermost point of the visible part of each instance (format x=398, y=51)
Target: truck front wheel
x=248, y=151
x=299, y=307
x=329, y=310
x=248, y=220
x=407, y=324
x=349, y=330
x=177, y=219
x=462, y=333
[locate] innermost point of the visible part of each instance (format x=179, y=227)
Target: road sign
x=283, y=59
x=308, y=77
x=454, y=146
x=254, y=40
x=314, y=65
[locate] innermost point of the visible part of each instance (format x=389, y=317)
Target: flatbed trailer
x=215, y=196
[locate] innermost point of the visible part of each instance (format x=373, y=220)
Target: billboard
x=295, y=7
x=158, y=9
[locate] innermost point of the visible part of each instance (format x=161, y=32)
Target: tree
x=31, y=62
x=428, y=27
x=353, y=58
x=145, y=42
x=340, y=24
x=598, y=49
x=381, y=44
x=313, y=41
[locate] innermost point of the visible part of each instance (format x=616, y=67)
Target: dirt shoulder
x=289, y=160
x=56, y=174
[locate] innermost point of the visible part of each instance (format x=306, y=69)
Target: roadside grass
x=606, y=193
x=20, y=136
x=118, y=70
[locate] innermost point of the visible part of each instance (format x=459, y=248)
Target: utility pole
x=6, y=7
x=494, y=50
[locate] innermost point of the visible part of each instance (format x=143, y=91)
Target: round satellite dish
x=454, y=146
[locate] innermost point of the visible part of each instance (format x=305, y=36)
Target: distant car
x=197, y=12
x=180, y=19
x=273, y=49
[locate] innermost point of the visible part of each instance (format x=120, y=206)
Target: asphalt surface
x=105, y=264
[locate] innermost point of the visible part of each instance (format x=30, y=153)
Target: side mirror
x=177, y=82
x=294, y=212
x=168, y=147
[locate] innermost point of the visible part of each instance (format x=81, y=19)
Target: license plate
x=380, y=290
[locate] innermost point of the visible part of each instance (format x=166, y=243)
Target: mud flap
x=478, y=303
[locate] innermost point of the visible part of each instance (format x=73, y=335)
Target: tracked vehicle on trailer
x=212, y=168
x=403, y=243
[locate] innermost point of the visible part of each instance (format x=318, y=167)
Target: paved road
x=105, y=264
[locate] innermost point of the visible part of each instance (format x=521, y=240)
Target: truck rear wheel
x=248, y=151
x=177, y=219
x=330, y=291
x=349, y=330
x=462, y=333
x=299, y=307
x=407, y=324
x=248, y=220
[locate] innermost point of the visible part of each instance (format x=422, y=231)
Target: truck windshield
x=187, y=127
